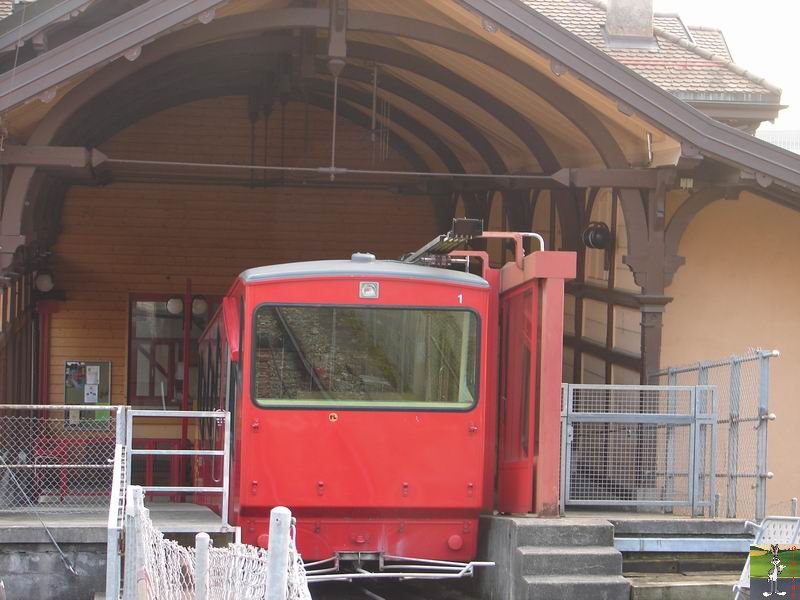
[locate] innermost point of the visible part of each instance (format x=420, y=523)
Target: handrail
x=131, y=451
x=94, y=407
x=756, y=355
x=116, y=523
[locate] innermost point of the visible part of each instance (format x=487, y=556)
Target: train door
x=516, y=460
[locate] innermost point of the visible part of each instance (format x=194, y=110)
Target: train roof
x=360, y=265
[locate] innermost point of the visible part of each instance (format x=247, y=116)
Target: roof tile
x=689, y=60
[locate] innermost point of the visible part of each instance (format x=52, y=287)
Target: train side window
x=365, y=357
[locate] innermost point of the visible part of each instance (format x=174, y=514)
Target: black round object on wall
x=597, y=236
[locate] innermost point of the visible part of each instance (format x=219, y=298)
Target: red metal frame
x=183, y=344
x=518, y=385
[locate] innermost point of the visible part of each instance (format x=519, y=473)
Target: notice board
x=87, y=383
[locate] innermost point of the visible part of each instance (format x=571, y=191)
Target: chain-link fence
x=742, y=382
x=158, y=568
x=644, y=447
x=57, y=458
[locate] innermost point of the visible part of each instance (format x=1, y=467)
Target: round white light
x=199, y=306
x=174, y=306
x=44, y=282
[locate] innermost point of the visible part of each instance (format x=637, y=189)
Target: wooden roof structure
x=487, y=97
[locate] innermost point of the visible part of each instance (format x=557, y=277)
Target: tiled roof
x=711, y=39
x=691, y=62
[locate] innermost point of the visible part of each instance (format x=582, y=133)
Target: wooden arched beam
x=218, y=84
x=442, y=113
x=240, y=50
x=170, y=70
x=491, y=104
x=379, y=23
x=217, y=65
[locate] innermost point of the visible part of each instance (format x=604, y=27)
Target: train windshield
x=365, y=357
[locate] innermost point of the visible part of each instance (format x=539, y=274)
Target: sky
x=762, y=36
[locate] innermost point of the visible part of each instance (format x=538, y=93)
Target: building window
x=157, y=348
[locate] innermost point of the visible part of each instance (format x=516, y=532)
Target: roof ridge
x=705, y=28
x=703, y=53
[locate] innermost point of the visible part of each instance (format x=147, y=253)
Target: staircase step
x=680, y=563
x=564, y=532
x=677, y=586
x=562, y=587
x=569, y=560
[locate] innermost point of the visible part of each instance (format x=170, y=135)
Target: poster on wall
x=87, y=383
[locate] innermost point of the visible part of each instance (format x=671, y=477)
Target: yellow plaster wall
x=739, y=289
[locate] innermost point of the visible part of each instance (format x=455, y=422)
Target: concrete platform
x=662, y=525
x=90, y=527
x=678, y=586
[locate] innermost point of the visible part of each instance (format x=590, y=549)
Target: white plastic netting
x=167, y=570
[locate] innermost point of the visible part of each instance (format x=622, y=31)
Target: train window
x=325, y=356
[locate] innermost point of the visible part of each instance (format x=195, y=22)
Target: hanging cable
x=267, y=113
x=305, y=123
x=386, y=128
x=333, y=133
x=253, y=110
x=283, y=133
x=374, y=110
x=335, y=66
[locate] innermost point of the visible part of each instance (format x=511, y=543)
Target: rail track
x=395, y=590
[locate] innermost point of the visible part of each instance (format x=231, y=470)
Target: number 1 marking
x=461, y=298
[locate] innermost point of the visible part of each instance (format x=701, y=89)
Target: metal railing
x=57, y=458
x=116, y=523
x=648, y=447
x=220, y=456
x=742, y=382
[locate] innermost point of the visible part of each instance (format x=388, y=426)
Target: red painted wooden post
x=45, y=308
x=552, y=268
x=548, y=430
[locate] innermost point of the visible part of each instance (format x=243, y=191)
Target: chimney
x=629, y=24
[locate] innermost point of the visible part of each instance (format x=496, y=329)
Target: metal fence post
x=712, y=469
x=132, y=545
x=701, y=407
x=570, y=432
x=733, y=435
x=793, y=511
x=562, y=500
x=280, y=522
x=763, y=419
x=201, y=572
x=226, y=468
x=129, y=445
x=672, y=379
x=120, y=421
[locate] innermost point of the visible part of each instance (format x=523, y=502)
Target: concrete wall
x=739, y=289
x=32, y=569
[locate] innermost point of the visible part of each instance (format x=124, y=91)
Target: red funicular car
x=371, y=396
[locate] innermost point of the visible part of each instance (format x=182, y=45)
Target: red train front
x=364, y=398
